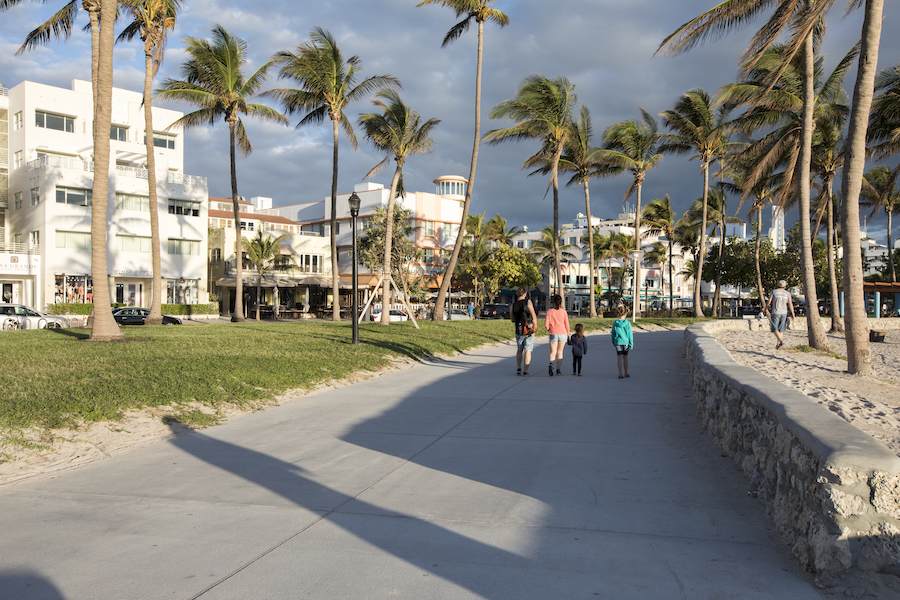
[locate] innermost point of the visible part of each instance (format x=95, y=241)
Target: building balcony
x=13, y=248
x=79, y=164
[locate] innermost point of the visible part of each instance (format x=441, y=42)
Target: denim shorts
x=525, y=342
x=778, y=322
x=623, y=350
x=558, y=338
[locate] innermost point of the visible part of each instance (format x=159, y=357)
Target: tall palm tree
x=151, y=21
x=542, y=109
x=859, y=356
x=498, y=232
x=884, y=120
x=399, y=132
x=879, y=191
x=264, y=254
x=213, y=80
x=635, y=146
x=479, y=11
x=718, y=215
x=326, y=85
x=660, y=220
x=101, y=14
x=698, y=127
x=828, y=157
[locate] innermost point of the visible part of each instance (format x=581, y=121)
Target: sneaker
x=519, y=371
x=557, y=372
x=551, y=370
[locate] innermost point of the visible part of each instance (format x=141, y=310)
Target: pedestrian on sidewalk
x=579, y=348
x=525, y=319
x=780, y=300
x=557, y=323
x=622, y=339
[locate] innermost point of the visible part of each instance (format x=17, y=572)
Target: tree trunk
x=587, y=206
x=155, y=316
x=890, y=211
x=457, y=246
x=717, y=299
x=671, y=281
x=388, y=242
x=259, y=274
x=815, y=330
x=636, y=307
x=554, y=180
x=759, y=285
x=335, y=270
x=238, y=315
x=837, y=322
x=859, y=355
x=701, y=253
x=104, y=327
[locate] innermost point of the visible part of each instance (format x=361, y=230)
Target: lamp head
x=354, y=202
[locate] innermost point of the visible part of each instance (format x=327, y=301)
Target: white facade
x=49, y=208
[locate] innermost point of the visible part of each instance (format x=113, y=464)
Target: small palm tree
x=547, y=251
x=479, y=11
x=498, y=232
x=264, y=254
x=399, y=132
x=880, y=191
x=326, y=85
x=476, y=227
x=213, y=80
x=542, y=109
x=151, y=22
x=660, y=220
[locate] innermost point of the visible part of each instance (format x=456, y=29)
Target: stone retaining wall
x=832, y=490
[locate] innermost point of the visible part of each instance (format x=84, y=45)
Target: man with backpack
x=525, y=319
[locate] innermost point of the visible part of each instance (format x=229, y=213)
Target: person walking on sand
x=522, y=314
x=557, y=323
x=622, y=339
x=780, y=301
x=579, y=348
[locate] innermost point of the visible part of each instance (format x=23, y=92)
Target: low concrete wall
x=832, y=490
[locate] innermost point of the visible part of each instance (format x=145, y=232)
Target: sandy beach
x=872, y=405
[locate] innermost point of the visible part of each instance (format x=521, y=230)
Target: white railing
x=4, y=91
x=61, y=162
x=136, y=172
x=4, y=198
x=14, y=248
x=183, y=179
x=4, y=157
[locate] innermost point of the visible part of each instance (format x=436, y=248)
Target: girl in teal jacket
x=623, y=340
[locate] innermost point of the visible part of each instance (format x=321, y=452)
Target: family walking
x=556, y=322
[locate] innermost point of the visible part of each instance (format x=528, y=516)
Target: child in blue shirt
x=622, y=339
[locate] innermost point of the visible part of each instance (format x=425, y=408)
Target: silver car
x=19, y=316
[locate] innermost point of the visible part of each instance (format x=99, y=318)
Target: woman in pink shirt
x=557, y=323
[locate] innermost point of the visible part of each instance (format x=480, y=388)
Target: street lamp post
x=354, y=202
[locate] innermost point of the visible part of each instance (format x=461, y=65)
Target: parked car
x=456, y=314
x=19, y=316
x=495, y=311
x=394, y=317
x=130, y=315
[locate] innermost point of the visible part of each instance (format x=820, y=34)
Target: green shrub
x=70, y=308
x=190, y=309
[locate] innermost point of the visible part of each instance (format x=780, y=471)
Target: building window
x=133, y=243
x=581, y=279
x=190, y=209
x=428, y=255
x=51, y=121
x=74, y=196
x=132, y=202
x=184, y=247
x=573, y=241
x=310, y=263
x=565, y=279
x=215, y=255
x=73, y=240
x=447, y=231
x=119, y=134
x=17, y=200
x=74, y=288
x=429, y=227
x=18, y=159
x=17, y=240
x=182, y=291
x=17, y=121
x=163, y=140
x=34, y=239
x=445, y=257
x=520, y=243
x=35, y=196
x=246, y=225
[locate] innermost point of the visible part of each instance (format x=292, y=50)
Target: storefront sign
x=132, y=273
x=19, y=264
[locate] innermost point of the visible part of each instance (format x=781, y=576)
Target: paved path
x=452, y=480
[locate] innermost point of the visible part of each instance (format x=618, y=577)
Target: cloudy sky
x=604, y=47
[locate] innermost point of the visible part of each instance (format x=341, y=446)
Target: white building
x=45, y=216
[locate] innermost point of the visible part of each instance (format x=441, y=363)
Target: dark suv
x=495, y=311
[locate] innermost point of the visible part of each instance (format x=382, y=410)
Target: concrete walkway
x=452, y=480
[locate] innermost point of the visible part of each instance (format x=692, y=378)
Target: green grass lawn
x=56, y=378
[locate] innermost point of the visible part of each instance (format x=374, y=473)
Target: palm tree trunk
x=457, y=246
x=238, y=315
x=671, y=281
x=759, y=285
x=637, y=263
x=859, y=356
x=890, y=212
x=388, y=239
x=815, y=330
x=701, y=253
x=837, y=322
x=335, y=271
x=587, y=206
x=155, y=316
x=554, y=179
x=259, y=275
x=104, y=326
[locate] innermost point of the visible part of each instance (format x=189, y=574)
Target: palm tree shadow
x=289, y=481
x=27, y=584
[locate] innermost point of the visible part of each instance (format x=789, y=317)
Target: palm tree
x=152, y=20
x=828, y=157
x=661, y=221
x=880, y=191
x=634, y=146
x=697, y=126
x=548, y=251
x=264, y=254
x=542, y=109
x=326, y=85
x=476, y=227
x=399, y=133
x=102, y=14
x=658, y=254
x=473, y=259
x=213, y=80
x=884, y=120
x=498, y=232
x=479, y=11
x=717, y=213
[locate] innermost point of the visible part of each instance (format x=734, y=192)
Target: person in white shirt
x=780, y=301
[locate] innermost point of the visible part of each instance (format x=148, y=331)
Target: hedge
x=71, y=308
